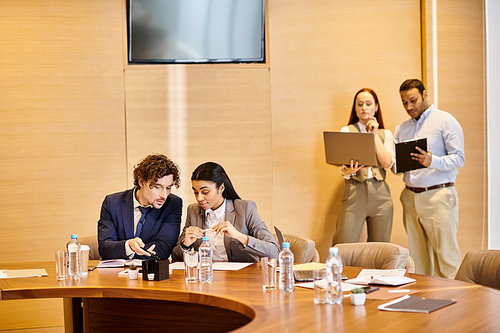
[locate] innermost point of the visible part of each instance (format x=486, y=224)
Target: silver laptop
x=300, y=276
x=342, y=147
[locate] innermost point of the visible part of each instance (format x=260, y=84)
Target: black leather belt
x=423, y=189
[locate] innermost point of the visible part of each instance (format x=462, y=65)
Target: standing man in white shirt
x=430, y=200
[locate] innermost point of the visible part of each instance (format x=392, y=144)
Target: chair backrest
x=91, y=241
x=376, y=255
x=303, y=249
x=481, y=267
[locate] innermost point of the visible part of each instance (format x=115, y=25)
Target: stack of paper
x=22, y=273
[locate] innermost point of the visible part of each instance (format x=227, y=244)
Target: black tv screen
x=195, y=31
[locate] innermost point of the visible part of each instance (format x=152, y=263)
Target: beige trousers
x=431, y=221
x=371, y=201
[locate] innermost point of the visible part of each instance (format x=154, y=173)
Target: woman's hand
x=351, y=170
x=228, y=229
x=191, y=235
x=372, y=125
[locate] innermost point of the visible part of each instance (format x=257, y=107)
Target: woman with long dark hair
x=240, y=233
x=366, y=195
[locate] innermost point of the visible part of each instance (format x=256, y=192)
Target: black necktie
x=144, y=211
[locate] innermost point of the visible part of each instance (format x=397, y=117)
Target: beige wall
x=322, y=53
x=75, y=119
x=62, y=141
x=455, y=62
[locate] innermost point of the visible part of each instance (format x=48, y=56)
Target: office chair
x=303, y=249
x=376, y=255
x=481, y=267
x=91, y=241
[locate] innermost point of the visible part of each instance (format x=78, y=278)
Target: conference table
x=235, y=301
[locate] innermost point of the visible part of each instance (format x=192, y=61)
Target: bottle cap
x=286, y=245
x=334, y=250
x=205, y=238
x=74, y=236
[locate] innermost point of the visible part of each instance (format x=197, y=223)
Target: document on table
x=113, y=263
x=310, y=285
x=22, y=273
x=309, y=266
x=387, y=277
x=217, y=266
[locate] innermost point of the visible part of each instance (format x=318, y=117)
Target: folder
x=404, y=161
x=415, y=304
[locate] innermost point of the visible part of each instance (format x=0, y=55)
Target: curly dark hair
x=154, y=167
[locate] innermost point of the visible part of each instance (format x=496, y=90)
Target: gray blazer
x=242, y=214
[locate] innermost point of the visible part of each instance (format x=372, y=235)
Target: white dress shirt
x=137, y=217
x=445, y=139
x=212, y=218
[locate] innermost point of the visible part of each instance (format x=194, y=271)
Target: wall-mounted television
x=195, y=31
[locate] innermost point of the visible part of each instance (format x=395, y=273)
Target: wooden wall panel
x=322, y=53
x=195, y=114
x=67, y=139
x=456, y=81
x=62, y=135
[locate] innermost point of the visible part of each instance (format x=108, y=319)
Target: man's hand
x=137, y=245
x=425, y=158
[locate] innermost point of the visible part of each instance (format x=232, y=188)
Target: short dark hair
x=353, y=119
x=412, y=83
x=154, y=167
x=213, y=172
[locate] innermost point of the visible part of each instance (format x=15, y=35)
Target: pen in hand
x=154, y=256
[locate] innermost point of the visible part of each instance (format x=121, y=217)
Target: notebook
x=404, y=161
x=415, y=304
x=342, y=147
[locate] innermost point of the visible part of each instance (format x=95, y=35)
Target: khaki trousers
x=431, y=221
x=371, y=201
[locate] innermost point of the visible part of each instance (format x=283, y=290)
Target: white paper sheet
x=22, y=273
x=310, y=285
x=389, y=277
x=217, y=266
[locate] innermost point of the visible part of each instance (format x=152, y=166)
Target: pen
x=92, y=268
x=370, y=289
x=152, y=255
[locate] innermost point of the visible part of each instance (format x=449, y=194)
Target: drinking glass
x=268, y=273
x=191, y=266
x=319, y=279
x=61, y=265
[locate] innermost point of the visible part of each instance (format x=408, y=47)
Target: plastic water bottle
x=286, y=269
x=206, y=270
x=334, y=277
x=74, y=258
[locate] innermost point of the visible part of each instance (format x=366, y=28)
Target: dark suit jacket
x=242, y=214
x=116, y=225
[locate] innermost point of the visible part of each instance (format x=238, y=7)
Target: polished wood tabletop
x=476, y=308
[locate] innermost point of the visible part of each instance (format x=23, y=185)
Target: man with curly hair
x=146, y=217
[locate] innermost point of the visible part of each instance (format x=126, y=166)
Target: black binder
x=404, y=161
